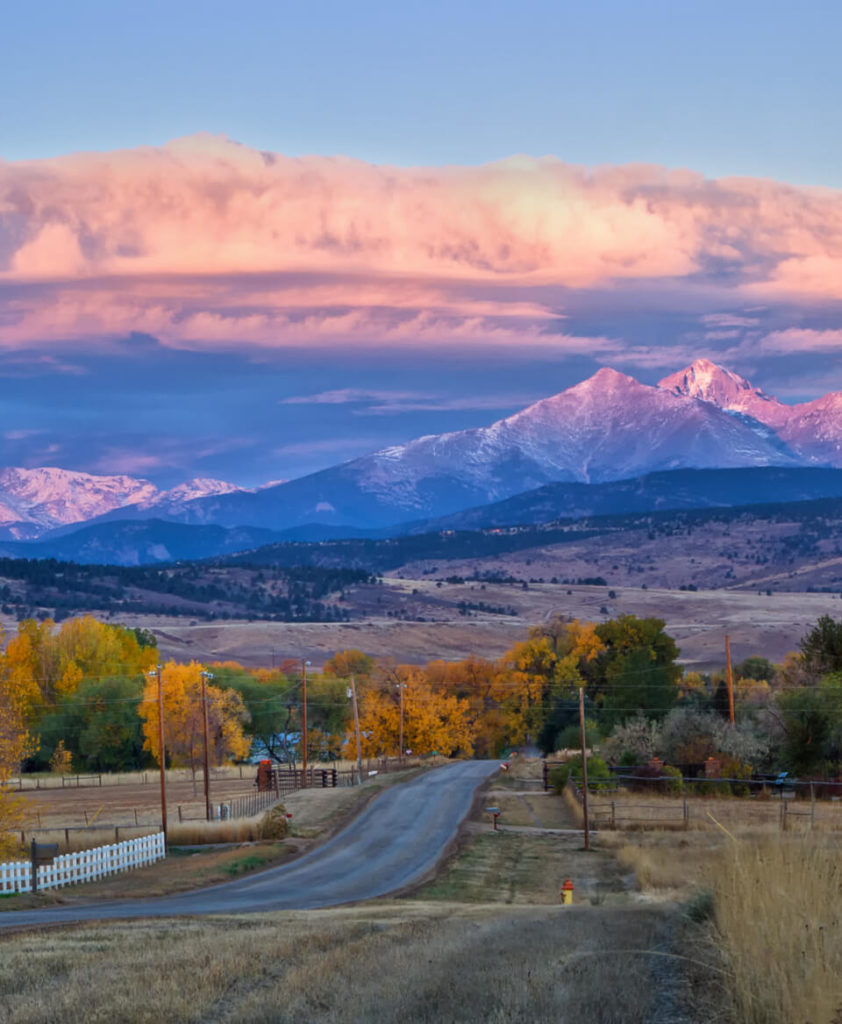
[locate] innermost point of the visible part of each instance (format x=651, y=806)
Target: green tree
x=755, y=667
x=271, y=700
x=821, y=648
x=636, y=671
x=98, y=724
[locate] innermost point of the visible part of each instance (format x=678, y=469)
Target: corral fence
x=622, y=801
x=91, y=780
x=83, y=866
x=79, y=825
x=288, y=780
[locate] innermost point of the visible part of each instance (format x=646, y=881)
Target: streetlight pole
x=156, y=672
x=304, y=665
x=205, y=677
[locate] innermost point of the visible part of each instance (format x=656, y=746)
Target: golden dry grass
x=778, y=904
x=392, y=963
x=203, y=833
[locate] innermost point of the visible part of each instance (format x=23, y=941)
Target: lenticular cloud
x=207, y=242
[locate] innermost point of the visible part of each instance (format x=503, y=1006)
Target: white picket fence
x=84, y=866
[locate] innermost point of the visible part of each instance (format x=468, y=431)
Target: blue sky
x=196, y=360
x=739, y=87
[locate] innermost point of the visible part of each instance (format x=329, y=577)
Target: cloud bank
x=207, y=243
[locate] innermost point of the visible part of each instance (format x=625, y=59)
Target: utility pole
x=304, y=665
x=400, y=691
x=205, y=677
x=584, y=768
x=730, y=679
x=357, y=727
x=162, y=756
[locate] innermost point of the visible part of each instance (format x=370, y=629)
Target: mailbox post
x=495, y=814
x=41, y=853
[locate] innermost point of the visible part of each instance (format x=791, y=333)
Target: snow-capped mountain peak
x=198, y=487
x=727, y=390
x=46, y=497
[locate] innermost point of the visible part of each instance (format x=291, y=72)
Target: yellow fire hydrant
x=567, y=892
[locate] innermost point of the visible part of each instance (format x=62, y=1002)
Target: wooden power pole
x=162, y=754
x=357, y=727
x=205, y=677
x=730, y=679
x=304, y=665
x=400, y=738
x=584, y=768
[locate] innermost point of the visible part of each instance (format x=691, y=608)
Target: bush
x=275, y=823
x=599, y=777
x=674, y=783
x=558, y=777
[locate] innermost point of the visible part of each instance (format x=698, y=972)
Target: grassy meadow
x=713, y=925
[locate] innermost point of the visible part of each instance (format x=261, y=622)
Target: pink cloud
x=206, y=242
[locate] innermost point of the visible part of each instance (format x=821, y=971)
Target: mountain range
x=567, y=451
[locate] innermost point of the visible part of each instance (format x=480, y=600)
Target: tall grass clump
x=271, y=825
x=778, y=912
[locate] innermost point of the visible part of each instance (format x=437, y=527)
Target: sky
x=250, y=241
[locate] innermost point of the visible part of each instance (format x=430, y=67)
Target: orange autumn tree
x=476, y=681
x=432, y=721
x=183, y=721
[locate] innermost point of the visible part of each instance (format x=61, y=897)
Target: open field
x=486, y=940
x=699, y=620
x=133, y=802
x=116, y=805
x=419, y=962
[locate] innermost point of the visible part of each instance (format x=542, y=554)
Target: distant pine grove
x=308, y=581
x=38, y=587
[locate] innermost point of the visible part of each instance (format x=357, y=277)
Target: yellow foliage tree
x=51, y=662
x=14, y=741
x=183, y=718
x=432, y=720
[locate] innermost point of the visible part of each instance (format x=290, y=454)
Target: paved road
x=397, y=840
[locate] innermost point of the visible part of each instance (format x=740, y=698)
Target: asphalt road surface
x=395, y=842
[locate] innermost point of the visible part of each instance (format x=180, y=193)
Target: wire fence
x=670, y=802
x=94, y=780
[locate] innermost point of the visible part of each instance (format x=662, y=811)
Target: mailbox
x=41, y=853
x=44, y=853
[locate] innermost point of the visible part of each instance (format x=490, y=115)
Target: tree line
x=82, y=696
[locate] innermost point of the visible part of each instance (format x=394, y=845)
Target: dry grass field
x=699, y=620
x=666, y=926
x=413, y=961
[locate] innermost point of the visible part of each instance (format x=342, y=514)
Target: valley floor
x=758, y=623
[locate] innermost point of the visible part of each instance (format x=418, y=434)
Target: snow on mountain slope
x=35, y=500
x=608, y=427
x=727, y=390
x=812, y=430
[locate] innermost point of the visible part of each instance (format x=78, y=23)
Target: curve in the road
x=397, y=840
